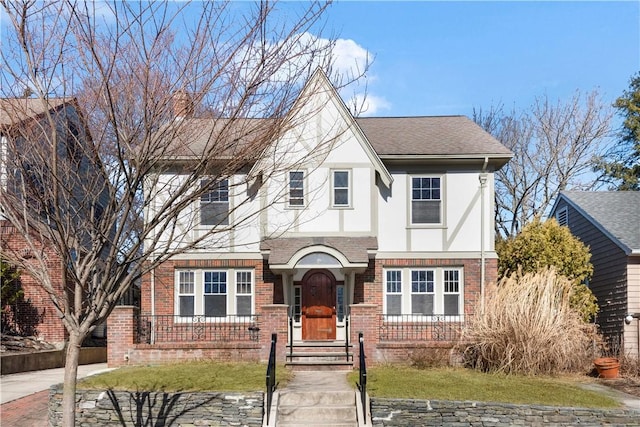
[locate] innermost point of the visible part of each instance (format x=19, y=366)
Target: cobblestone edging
x=409, y=412
x=119, y=408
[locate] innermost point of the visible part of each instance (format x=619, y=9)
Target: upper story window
x=341, y=188
x=296, y=188
x=214, y=205
x=426, y=200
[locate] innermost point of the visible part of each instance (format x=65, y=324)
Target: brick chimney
x=182, y=104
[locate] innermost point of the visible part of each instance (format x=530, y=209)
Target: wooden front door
x=318, y=306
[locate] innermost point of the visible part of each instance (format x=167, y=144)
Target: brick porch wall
x=34, y=310
x=368, y=302
x=365, y=312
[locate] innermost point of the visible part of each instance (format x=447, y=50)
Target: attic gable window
x=214, y=205
x=562, y=216
x=425, y=200
x=296, y=188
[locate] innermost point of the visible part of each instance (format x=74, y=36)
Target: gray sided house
x=609, y=223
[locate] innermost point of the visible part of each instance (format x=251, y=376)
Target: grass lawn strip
x=464, y=384
x=188, y=376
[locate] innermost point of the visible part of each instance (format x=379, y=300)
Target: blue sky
x=440, y=58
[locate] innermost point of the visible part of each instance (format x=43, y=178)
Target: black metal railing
x=346, y=337
x=290, y=337
x=170, y=329
x=271, y=375
x=418, y=327
x=362, y=378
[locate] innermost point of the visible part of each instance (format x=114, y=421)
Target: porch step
x=319, y=365
x=317, y=408
x=319, y=355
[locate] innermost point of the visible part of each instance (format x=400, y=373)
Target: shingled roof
x=389, y=136
x=615, y=212
x=16, y=110
x=443, y=135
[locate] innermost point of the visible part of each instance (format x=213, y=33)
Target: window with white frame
x=186, y=293
x=394, y=292
x=215, y=292
x=214, y=204
x=341, y=188
x=426, y=200
x=451, y=292
x=243, y=293
x=423, y=291
x=296, y=188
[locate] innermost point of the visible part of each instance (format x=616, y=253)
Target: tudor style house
x=387, y=230
x=609, y=223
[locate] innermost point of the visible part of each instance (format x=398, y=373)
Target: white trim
x=349, y=188
x=199, y=294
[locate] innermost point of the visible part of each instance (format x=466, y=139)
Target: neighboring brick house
x=33, y=313
x=389, y=232
x=608, y=223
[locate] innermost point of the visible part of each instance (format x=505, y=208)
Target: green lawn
x=465, y=384
x=188, y=376
x=383, y=381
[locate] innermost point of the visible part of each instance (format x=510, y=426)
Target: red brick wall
x=368, y=298
x=268, y=286
x=35, y=312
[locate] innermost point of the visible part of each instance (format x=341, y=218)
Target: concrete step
x=317, y=398
x=316, y=408
x=319, y=365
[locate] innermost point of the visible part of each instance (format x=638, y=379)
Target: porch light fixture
x=629, y=317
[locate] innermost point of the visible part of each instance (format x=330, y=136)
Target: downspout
x=483, y=182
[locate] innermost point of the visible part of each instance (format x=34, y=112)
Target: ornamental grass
x=529, y=327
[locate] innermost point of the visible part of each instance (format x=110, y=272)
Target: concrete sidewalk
x=16, y=386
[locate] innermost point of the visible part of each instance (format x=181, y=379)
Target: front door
x=318, y=306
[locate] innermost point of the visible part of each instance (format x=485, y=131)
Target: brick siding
x=34, y=314
x=269, y=298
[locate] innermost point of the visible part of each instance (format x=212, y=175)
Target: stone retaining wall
x=411, y=412
x=119, y=408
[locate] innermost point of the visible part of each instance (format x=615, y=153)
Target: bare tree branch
x=86, y=176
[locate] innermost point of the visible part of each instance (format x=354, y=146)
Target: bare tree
x=554, y=147
x=91, y=196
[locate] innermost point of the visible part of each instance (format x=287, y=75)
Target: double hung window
x=394, y=292
x=426, y=200
x=423, y=291
x=186, y=293
x=341, y=188
x=215, y=293
x=296, y=188
x=214, y=204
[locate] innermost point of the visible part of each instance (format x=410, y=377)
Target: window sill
x=426, y=226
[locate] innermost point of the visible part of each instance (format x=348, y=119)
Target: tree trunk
x=70, y=379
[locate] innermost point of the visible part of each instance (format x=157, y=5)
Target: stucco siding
x=459, y=229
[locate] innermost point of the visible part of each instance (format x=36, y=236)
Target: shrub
x=425, y=358
x=546, y=244
x=529, y=327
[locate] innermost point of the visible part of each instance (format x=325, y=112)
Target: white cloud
x=367, y=105
x=350, y=58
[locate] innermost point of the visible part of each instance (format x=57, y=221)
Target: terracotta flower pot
x=607, y=367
